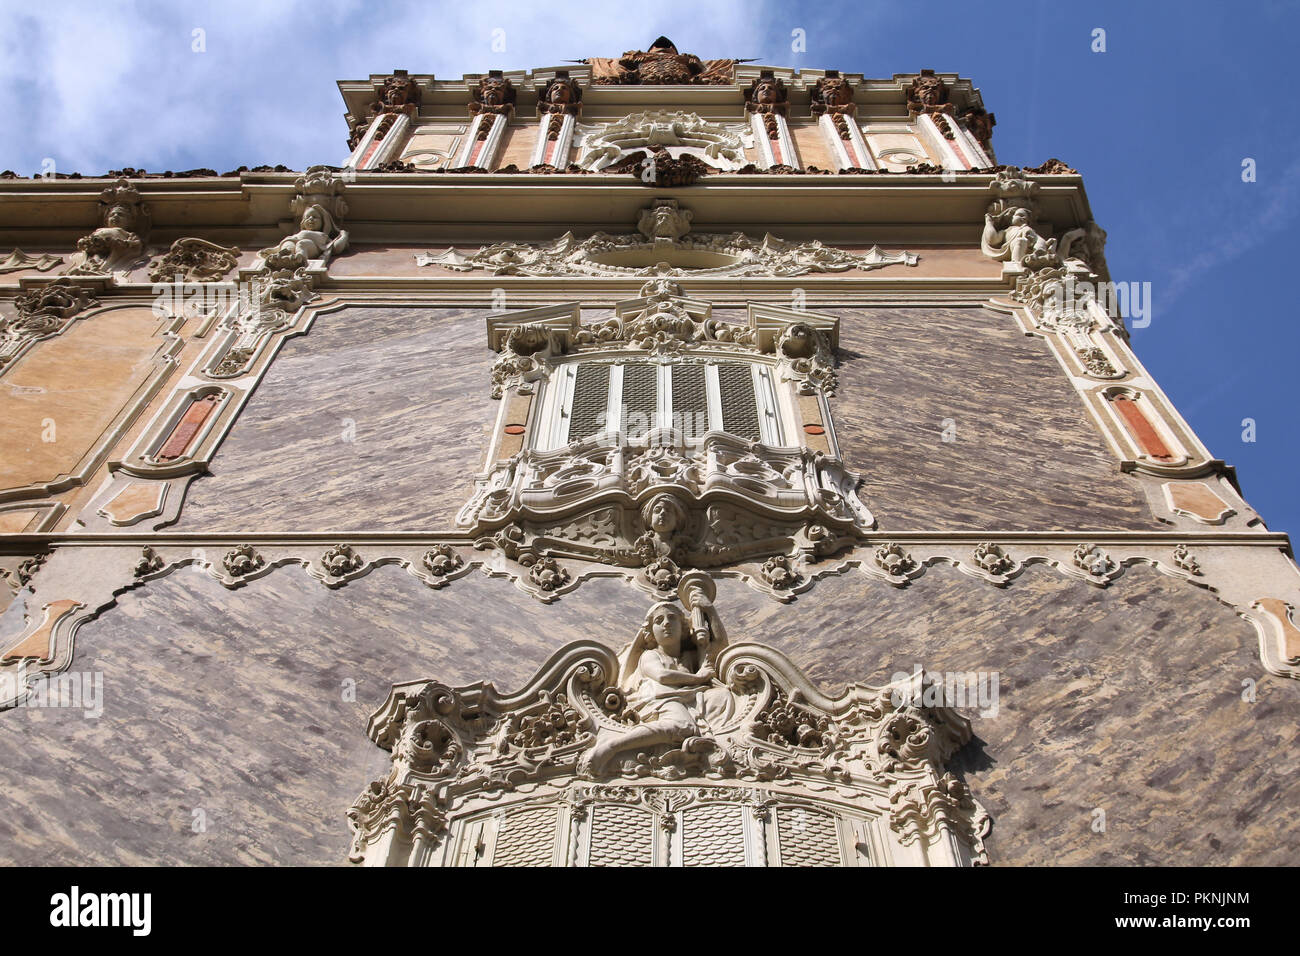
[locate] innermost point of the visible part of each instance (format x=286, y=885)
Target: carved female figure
x=113, y=246
x=665, y=520
x=1018, y=242
x=668, y=678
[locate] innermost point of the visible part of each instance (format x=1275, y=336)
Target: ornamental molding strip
x=19, y=261
x=63, y=587
x=682, y=750
x=661, y=247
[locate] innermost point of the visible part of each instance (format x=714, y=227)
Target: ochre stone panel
x=376, y=419
x=79, y=381
x=1023, y=454
x=518, y=147
x=811, y=146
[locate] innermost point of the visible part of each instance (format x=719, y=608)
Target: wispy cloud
x=126, y=86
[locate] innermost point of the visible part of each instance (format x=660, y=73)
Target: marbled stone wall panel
x=232, y=702
x=1127, y=699
x=411, y=389
x=1024, y=455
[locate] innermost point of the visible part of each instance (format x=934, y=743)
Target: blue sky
x=1158, y=124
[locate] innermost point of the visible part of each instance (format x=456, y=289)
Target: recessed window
x=586, y=399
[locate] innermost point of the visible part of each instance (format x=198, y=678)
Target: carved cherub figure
x=317, y=238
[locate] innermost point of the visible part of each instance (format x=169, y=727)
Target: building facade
x=658, y=461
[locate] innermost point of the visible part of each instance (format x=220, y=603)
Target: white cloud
x=123, y=87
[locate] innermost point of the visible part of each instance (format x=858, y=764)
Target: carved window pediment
x=680, y=750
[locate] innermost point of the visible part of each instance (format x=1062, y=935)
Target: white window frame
x=771, y=406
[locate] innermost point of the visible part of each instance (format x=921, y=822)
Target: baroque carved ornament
x=661, y=65
x=284, y=280
x=682, y=749
x=43, y=311
x=194, y=260
x=657, y=499
x=118, y=244
x=661, y=247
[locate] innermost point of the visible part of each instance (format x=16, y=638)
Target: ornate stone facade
x=612, y=385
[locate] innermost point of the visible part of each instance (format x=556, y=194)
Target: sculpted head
x=494, y=90
x=665, y=625
x=929, y=90
x=835, y=91
x=120, y=216
x=799, y=340
x=560, y=92
x=399, y=91
x=313, y=219
x=527, y=339
x=664, y=514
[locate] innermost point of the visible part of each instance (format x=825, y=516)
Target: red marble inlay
x=179, y=440
x=1147, y=437
x=514, y=429
x=814, y=429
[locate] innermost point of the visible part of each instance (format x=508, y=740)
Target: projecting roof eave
x=384, y=205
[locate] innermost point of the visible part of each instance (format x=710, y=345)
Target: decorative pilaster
x=398, y=102
x=559, y=104
x=832, y=104
x=767, y=102
x=492, y=104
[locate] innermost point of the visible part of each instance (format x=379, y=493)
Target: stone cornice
x=445, y=99
x=27, y=542
x=387, y=206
